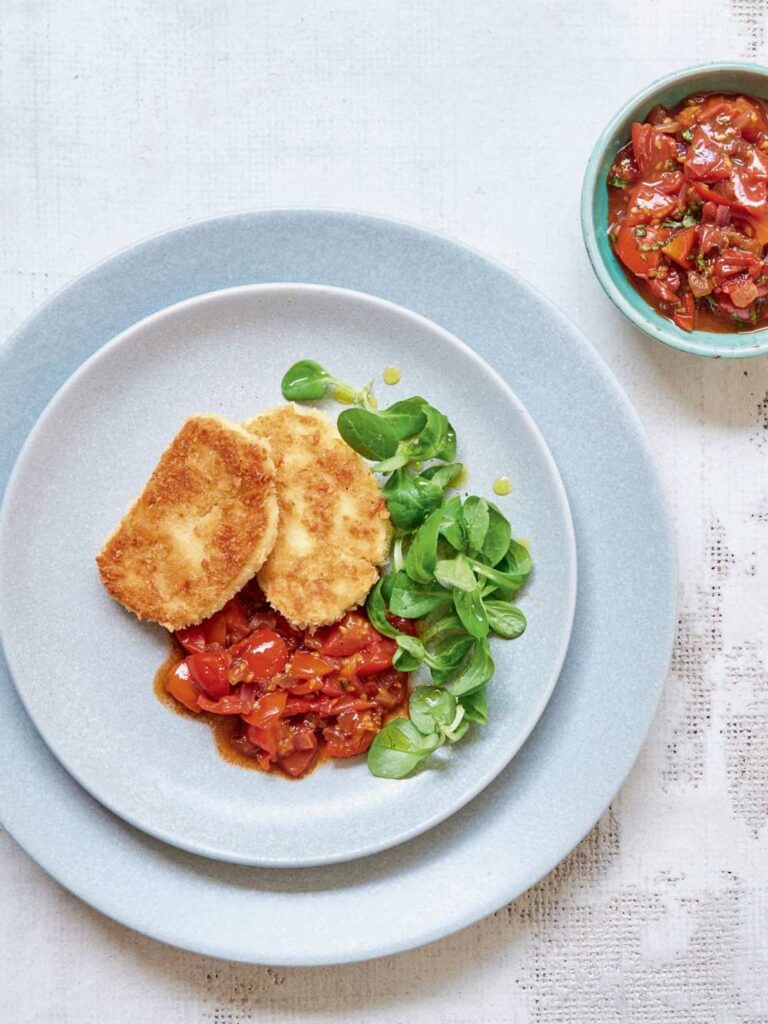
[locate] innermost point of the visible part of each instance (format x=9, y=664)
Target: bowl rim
x=724, y=345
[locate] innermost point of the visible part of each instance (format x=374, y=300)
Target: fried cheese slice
x=202, y=527
x=334, y=524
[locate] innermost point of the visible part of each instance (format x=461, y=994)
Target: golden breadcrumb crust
x=334, y=523
x=201, y=528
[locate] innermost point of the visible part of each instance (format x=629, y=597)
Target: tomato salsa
x=688, y=211
x=285, y=697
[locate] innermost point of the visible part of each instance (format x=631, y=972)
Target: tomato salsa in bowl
x=675, y=210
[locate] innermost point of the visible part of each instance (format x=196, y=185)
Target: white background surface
x=476, y=119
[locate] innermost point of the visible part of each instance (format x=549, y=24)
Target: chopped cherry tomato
x=264, y=653
x=267, y=708
x=297, y=706
x=747, y=117
x=683, y=315
x=303, y=755
x=352, y=734
x=310, y=664
x=265, y=737
x=347, y=745
x=653, y=150
x=181, y=687
x=732, y=262
x=678, y=248
x=373, y=659
x=392, y=688
x=306, y=686
x=711, y=195
x=706, y=160
x=648, y=204
x=640, y=253
x=210, y=669
x=231, y=704
x=349, y=636
x=221, y=630
x=665, y=288
x=332, y=686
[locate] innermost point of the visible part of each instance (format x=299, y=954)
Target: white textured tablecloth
x=121, y=119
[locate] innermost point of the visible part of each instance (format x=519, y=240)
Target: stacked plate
x=131, y=808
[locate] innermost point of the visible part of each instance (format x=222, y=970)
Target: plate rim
x=126, y=912
x=203, y=301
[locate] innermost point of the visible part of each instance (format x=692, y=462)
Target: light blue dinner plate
x=562, y=779
x=89, y=455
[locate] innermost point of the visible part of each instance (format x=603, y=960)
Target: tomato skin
x=732, y=262
x=264, y=653
x=341, y=745
x=301, y=759
x=181, y=687
x=352, y=634
x=392, y=688
x=705, y=160
x=265, y=737
x=229, y=704
x=217, y=632
x=748, y=118
x=267, y=708
x=653, y=150
x=210, y=670
x=352, y=734
x=639, y=261
x=309, y=665
x=679, y=247
x=648, y=203
x=375, y=658
x=683, y=316
x=297, y=706
x=709, y=194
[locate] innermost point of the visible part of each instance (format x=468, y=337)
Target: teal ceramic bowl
x=732, y=78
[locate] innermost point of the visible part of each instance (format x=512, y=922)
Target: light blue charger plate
x=564, y=776
x=227, y=352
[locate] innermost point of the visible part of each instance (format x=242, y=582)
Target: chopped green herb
x=616, y=182
x=680, y=221
x=687, y=135
x=641, y=231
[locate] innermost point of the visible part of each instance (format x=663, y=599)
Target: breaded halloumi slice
x=200, y=529
x=334, y=523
